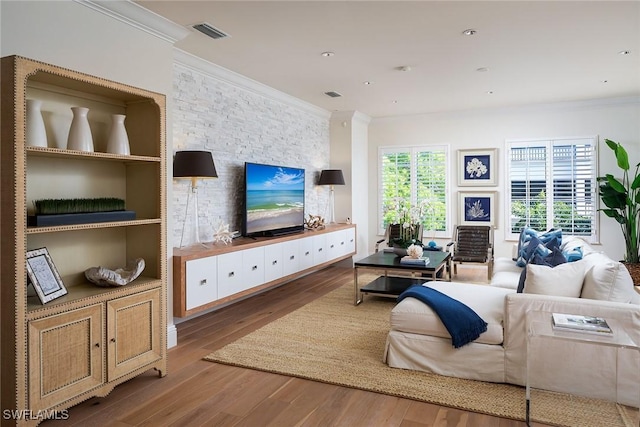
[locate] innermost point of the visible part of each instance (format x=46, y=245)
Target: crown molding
x=225, y=75
x=137, y=16
x=354, y=115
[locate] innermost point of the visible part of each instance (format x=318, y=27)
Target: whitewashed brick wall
x=239, y=125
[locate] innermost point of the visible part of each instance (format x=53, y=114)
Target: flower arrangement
x=408, y=218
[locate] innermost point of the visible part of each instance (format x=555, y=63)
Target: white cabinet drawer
x=253, y=267
x=291, y=257
x=273, y=262
x=229, y=274
x=306, y=253
x=320, y=252
x=201, y=281
x=336, y=245
x=350, y=236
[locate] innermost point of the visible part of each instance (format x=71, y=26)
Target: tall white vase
x=80, y=137
x=118, y=142
x=36, y=135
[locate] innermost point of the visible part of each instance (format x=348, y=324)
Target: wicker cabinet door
x=133, y=333
x=65, y=356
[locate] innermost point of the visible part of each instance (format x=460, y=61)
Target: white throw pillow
x=564, y=280
x=609, y=280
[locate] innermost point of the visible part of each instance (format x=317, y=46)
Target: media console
x=213, y=276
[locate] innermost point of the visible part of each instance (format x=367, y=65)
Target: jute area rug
x=333, y=341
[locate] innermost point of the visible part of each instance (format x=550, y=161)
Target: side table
x=540, y=331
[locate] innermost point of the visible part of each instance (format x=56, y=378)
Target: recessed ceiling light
x=395, y=101
x=482, y=69
x=403, y=68
x=625, y=52
x=604, y=81
x=489, y=92
x=367, y=83
x=327, y=54
x=469, y=32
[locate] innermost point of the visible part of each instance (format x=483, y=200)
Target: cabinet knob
x=97, y=345
x=292, y=257
x=203, y=282
x=275, y=261
x=231, y=274
x=320, y=250
x=342, y=243
x=255, y=267
x=306, y=253
x=112, y=340
x=331, y=247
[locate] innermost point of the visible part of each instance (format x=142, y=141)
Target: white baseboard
x=172, y=336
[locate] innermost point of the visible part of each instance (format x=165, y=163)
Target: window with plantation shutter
x=416, y=178
x=552, y=184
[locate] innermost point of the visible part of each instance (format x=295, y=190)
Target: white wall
x=72, y=35
x=241, y=125
x=616, y=119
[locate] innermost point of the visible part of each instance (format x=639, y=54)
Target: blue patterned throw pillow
x=545, y=243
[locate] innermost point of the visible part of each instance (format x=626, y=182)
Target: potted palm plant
x=622, y=201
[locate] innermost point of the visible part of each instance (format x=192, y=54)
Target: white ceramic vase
x=36, y=135
x=118, y=142
x=80, y=137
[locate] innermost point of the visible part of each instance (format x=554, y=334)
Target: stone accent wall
x=237, y=126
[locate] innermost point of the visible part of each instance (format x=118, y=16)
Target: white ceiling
x=534, y=51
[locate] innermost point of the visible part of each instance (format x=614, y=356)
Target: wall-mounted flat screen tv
x=274, y=200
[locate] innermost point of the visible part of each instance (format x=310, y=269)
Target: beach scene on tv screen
x=275, y=197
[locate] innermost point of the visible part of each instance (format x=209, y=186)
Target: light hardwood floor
x=200, y=393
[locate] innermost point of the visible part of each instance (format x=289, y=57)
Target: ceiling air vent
x=333, y=94
x=210, y=30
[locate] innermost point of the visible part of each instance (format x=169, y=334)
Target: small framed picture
x=478, y=208
x=43, y=275
x=477, y=167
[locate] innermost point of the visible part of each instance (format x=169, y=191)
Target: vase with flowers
x=406, y=223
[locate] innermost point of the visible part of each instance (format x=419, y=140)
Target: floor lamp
x=331, y=177
x=193, y=165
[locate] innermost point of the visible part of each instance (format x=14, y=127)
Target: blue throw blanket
x=463, y=324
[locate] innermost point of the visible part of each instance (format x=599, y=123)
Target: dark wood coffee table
x=436, y=269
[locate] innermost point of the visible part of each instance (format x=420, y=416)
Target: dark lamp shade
x=193, y=164
x=331, y=177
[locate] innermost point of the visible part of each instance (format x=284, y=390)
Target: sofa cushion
x=543, y=243
x=608, y=280
x=565, y=280
x=413, y=316
x=555, y=258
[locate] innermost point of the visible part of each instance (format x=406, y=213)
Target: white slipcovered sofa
x=595, y=286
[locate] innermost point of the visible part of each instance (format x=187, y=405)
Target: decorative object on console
x=331, y=177
x=477, y=167
x=118, y=142
x=478, y=208
x=36, y=134
x=193, y=165
x=44, y=276
x=222, y=234
x=622, y=199
x=103, y=276
x=51, y=212
x=80, y=137
x=314, y=222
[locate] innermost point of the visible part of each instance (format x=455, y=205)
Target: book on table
x=580, y=323
x=414, y=261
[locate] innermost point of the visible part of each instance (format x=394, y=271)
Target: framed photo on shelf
x=44, y=276
x=478, y=208
x=477, y=167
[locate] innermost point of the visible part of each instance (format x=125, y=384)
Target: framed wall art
x=44, y=276
x=478, y=208
x=477, y=167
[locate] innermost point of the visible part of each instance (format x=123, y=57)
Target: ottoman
x=418, y=340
